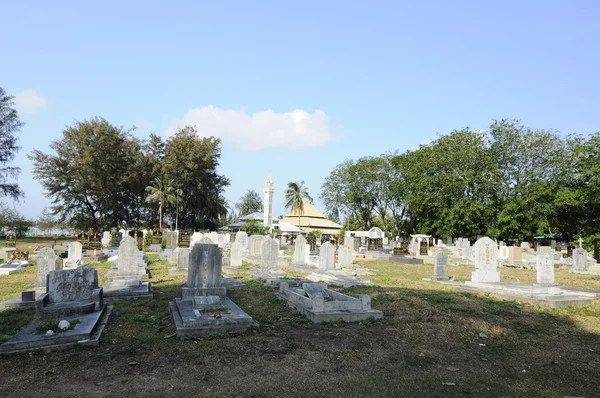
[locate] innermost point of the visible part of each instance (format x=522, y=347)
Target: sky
x=295, y=88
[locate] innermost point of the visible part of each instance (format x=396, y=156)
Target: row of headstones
x=486, y=262
x=48, y=260
x=172, y=238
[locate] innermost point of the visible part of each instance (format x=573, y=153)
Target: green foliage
x=510, y=182
x=101, y=176
x=253, y=227
x=249, y=203
x=12, y=221
x=9, y=126
x=147, y=240
x=295, y=194
x=46, y=221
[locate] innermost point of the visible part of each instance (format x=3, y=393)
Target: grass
x=427, y=329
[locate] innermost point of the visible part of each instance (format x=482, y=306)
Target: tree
x=163, y=192
x=294, y=198
x=12, y=220
x=46, y=221
x=252, y=227
x=191, y=162
x=249, y=203
x=96, y=177
x=9, y=126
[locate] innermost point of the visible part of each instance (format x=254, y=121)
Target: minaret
x=268, y=202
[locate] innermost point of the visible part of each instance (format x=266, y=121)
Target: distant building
x=312, y=219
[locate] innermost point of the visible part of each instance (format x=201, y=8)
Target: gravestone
x=255, y=244
x=515, y=254
x=11, y=240
x=221, y=240
x=344, y=256
x=580, y=263
x=524, y=245
x=269, y=255
x=204, y=272
x=486, y=261
x=326, y=257
x=105, y=239
x=183, y=259
x=127, y=264
x=75, y=252
x=47, y=261
x=171, y=237
x=227, y=237
x=413, y=249
x=440, y=272
x=545, y=270
x=236, y=254
x=242, y=238
x=301, y=252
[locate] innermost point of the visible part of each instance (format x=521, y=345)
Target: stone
x=183, y=259
x=255, y=243
x=486, y=261
x=47, y=261
x=344, y=257
x=320, y=304
x=106, y=239
x=174, y=259
x=64, y=325
x=580, y=263
x=74, y=296
x=204, y=272
x=503, y=253
x=221, y=240
x=545, y=269
x=171, y=238
x=302, y=251
x=124, y=279
x=236, y=254
x=440, y=272
x=524, y=245
x=75, y=252
x=242, y=238
x=326, y=257
x=515, y=254
x=268, y=264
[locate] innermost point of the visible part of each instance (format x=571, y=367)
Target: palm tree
x=163, y=192
x=294, y=198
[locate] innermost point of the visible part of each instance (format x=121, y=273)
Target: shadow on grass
x=424, y=333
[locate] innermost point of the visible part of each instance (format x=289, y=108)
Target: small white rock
x=483, y=335
x=49, y=333
x=64, y=325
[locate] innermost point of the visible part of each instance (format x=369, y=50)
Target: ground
x=427, y=345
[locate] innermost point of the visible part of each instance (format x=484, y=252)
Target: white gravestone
x=47, y=261
x=196, y=236
x=300, y=253
x=183, y=259
x=486, y=261
x=106, y=239
x=344, y=257
x=236, y=254
x=326, y=257
x=580, y=263
x=269, y=255
x=440, y=272
x=75, y=252
x=242, y=238
x=127, y=264
x=545, y=269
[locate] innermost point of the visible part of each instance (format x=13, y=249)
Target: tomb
x=204, y=308
x=268, y=265
x=124, y=279
x=71, y=295
x=486, y=261
x=320, y=304
x=440, y=268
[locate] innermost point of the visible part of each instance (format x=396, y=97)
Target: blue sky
x=295, y=88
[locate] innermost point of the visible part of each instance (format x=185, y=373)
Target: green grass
x=427, y=328
x=52, y=324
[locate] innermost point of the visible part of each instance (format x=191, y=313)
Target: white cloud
x=29, y=102
x=266, y=129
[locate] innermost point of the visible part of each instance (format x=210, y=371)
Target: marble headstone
x=269, y=255
x=327, y=257
x=204, y=272
x=75, y=252
x=242, y=238
x=127, y=264
x=486, y=261
x=236, y=254
x=440, y=269
x=301, y=251
x=344, y=256
x=545, y=269
x=580, y=263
